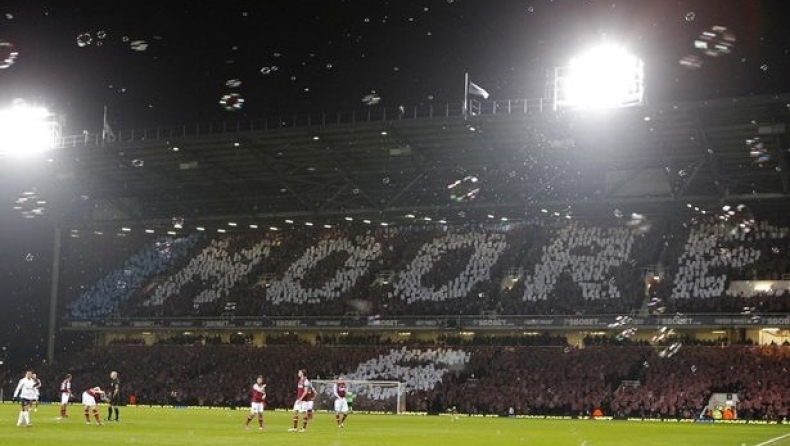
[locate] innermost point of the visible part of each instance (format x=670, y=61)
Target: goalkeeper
x=350, y=396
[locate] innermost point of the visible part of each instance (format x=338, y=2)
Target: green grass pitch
x=216, y=427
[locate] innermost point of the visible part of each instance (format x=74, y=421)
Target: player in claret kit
x=89, y=401
x=341, y=405
x=304, y=402
x=65, y=395
x=257, y=398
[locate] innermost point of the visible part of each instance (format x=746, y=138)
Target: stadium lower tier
x=627, y=381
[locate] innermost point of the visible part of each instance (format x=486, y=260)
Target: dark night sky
x=330, y=54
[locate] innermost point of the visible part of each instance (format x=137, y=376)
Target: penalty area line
x=772, y=440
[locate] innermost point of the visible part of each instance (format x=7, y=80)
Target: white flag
x=477, y=90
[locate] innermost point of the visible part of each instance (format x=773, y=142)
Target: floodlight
x=604, y=77
x=26, y=130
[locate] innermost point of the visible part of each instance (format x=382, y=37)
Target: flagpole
x=104, y=127
x=466, y=94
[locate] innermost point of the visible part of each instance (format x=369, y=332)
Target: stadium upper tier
x=560, y=267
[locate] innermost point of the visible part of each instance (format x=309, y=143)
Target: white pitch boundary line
x=772, y=440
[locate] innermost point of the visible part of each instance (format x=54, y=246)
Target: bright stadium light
x=606, y=76
x=27, y=130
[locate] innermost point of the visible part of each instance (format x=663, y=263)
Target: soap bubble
x=138, y=45
x=8, y=54
x=84, y=40
x=715, y=42
x=371, y=99
x=232, y=102
x=464, y=189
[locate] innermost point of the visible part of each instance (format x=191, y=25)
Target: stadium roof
x=385, y=164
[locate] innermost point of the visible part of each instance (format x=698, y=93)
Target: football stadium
x=601, y=260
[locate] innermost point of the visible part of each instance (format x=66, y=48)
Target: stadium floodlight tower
x=27, y=130
x=606, y=76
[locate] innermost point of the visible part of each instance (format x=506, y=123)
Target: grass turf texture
x=216, y=427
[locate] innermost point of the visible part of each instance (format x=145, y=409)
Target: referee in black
x=113, y=395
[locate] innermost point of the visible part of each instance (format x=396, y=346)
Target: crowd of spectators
x=586, y=269
x=560, y=268
x=352, y=260
x=715, y=254
x=115, y=288
x=550, y=380
x=425, y=278
x=217, y=268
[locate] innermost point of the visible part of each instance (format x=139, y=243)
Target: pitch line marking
x=772, y=440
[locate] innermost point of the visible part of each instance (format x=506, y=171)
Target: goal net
x=364, y=395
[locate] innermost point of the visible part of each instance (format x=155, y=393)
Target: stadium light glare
x=605, y=76
x=27, y=130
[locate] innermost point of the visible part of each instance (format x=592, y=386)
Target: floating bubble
x=29, y=257
x=775, y=249
x=329, y=66
x=385, y=180
x=737, y=219
x=232, y=102
x=690, y=16
x=671, y=350
x=764, y=67
x=233, y=83
x=531, y=9
x=30, y=205
x=9, y=16
x=138, y=163
x=266, y=70
x=8, y=54
x=465, y=189
x=178, y=222
x=138, y=45
x=84, y=40
x=101, y=34
x=626, y=334
x=662, y=334
x=125, y=39
x=371, y=99
x=756, y=147
x=718, y=41
x=693, y=369
x=361, y=305
x=691, y=61
x=164, y=248
x=620, y=321
x=638, y=221
x=618, y=213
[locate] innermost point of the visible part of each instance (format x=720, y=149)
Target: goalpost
x=367, y=396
